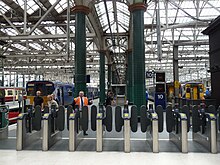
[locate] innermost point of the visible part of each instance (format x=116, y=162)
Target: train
x=11, y=93
x=189, y=90
x=64, y=92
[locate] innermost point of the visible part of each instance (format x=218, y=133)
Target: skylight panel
x=19, y=46
x=3, y=8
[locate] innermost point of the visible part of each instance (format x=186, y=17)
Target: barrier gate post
x=99, y=133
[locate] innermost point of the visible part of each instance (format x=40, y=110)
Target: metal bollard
x=72, y=132
x=127, y=131
x=19, y=145
x=99, y=133
x=45, y=136
x=184, y=136
x=155, y=134
x=213, y=137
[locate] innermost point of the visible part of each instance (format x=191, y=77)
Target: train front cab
x=194, y=91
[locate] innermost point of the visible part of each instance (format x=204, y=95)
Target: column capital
x=81, y=8
x=137, y=6
x=128, y=51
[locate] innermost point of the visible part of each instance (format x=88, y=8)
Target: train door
x=195, y=92
x=188, y=91
x=59, y=96
x=201, y=91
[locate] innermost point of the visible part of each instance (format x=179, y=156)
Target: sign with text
x=149, y=74
x=160, y=99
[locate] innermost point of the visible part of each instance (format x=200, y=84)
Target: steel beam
x=10, y=23
x=42, y=18
x=45, y=36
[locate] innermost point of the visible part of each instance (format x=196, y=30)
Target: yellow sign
x=20, y=115
x=72, y=115
x=176, y=84
x=99, y=114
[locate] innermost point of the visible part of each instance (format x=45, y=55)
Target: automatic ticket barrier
x=77, y=121
x=152, y=123
x=101, y=120
x=205, y=127
x=53, y=125
x=178, y=124
x=28, y=127
x=128, y=120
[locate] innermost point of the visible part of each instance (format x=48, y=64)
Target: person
x=2, y=96
x=81, y=101
x=51, y=101
x=146, y=98
x=109, y=98
x=38, y=100
x=74, y=104
x=207, y=93
x=20, y=99
x=55, y=98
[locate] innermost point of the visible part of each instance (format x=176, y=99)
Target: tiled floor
x=8, y=157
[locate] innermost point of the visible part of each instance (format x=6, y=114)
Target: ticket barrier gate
x=101, y=119
x=28, y=127
x=77, y=121
x=178, y=125
x=152, y=123
x=129, y=121
x=4, y=122
x=205, y=127
x=53, y=125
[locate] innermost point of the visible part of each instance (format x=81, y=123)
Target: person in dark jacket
x=38, y=100
x=109, y=98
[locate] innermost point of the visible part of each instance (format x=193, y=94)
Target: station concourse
x=109, y=81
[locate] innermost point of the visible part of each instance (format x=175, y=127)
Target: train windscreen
x=46, y=88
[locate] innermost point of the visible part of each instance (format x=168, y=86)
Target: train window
x=10, y=92
x=187, y=90
x=30, y=92
x=49, y=90
x=16, y=92
x=69, y=90
x=40, y=87
x=58, y=92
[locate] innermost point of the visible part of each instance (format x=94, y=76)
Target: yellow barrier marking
x=154, y=115
x=46, y=115
x=183, y=115
x=126, y=115
x=212, y=115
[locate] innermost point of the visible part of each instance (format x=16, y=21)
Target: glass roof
x=180, y=20
x=3, y=8
x=117, y=19
x=31, y=5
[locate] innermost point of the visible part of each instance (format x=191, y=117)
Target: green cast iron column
x=109, y=75
x=80, y=49
x=137, y=10
x=102, y=77
x=114, y=79
x=130, y=77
